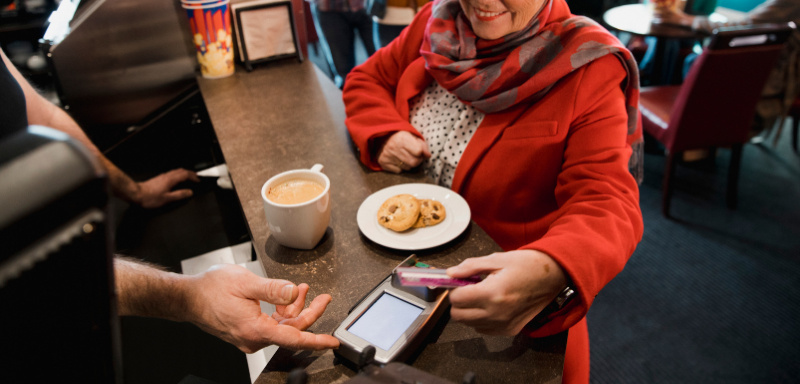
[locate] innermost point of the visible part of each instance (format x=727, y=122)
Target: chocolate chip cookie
x=399, y=213
x=431, y=212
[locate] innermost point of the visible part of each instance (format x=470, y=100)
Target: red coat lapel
x=485, y=136
x=413, y=81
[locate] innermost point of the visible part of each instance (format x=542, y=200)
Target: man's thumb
x=273, y=291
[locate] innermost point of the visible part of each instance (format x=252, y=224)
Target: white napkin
x=220, y=171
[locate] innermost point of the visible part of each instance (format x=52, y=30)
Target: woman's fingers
x=409, y=151
x=468, y=316
x=475, y=266
x=480, y=295
x=426, y=152
x=398, y=162
x=390, y=166
x=403, y=151
x=474, y=296
x=388, y=161
x=483, y=321
x=408, y=161
x=417, y=148
x=391, y=159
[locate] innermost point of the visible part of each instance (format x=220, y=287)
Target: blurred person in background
x=399, y=14
x=783, y=84
x=672, y=47
x=338, y=21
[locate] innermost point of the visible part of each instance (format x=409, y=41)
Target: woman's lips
x=486, y=15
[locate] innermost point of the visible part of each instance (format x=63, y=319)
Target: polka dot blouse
x=447, y=125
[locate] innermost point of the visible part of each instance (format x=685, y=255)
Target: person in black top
x=224, y=301
x=152, y=193
x=12, y=101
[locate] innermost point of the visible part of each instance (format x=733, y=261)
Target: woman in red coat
x=529, y=113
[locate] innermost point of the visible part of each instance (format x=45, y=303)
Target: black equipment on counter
x=58, y=311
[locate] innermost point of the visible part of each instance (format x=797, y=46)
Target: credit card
x=431, y=277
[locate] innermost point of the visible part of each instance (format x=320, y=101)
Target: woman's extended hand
x=402, y=151
x=518, y=286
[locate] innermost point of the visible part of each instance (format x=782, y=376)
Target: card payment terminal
x=392, y=318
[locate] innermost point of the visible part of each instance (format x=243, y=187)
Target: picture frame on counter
x=265, y=31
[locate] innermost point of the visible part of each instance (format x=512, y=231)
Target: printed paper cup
x=210, y=21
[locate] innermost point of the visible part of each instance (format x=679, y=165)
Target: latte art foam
x=294, y=191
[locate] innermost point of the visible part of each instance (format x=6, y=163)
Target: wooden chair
x=716, y=103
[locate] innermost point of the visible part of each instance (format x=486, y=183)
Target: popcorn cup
x=210, y=21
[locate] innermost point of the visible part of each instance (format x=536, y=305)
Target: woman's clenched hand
x=402, y=151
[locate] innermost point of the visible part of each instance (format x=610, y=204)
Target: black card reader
x=391, y=318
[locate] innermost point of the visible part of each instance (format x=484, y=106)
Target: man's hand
x=158, y=191
x=224, y=302
x=519, y=285
x=402, y=151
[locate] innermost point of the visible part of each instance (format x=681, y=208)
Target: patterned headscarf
x=492, y=75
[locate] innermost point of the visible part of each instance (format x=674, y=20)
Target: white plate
x=455, y=222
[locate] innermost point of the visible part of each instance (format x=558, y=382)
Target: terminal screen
x=385, y=321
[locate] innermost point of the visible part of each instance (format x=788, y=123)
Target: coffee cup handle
x=317, y=168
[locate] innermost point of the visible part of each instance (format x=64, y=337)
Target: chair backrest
x=716, y=104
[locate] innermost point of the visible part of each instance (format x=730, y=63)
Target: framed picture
x=265, y=31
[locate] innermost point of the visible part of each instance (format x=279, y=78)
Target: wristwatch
x=563, y=298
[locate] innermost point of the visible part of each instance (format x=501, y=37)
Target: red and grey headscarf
x=492, y=75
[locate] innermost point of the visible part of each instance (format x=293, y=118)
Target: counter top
x=289, y=115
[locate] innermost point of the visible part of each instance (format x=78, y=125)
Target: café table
x=288, y=115
x=637, y=19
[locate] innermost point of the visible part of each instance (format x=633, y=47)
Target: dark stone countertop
x=287, y=115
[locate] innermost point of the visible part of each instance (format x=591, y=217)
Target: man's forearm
x=122, y=185
x=145, y=290
x=42, y=112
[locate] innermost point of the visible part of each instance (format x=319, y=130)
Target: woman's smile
x=493, y=19
x=486, y=15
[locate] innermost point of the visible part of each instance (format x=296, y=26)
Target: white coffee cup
x=300, y=225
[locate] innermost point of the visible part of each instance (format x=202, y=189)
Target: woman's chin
x=491, y=30
x=488, y=33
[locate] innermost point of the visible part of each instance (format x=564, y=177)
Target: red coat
x=550, y=176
